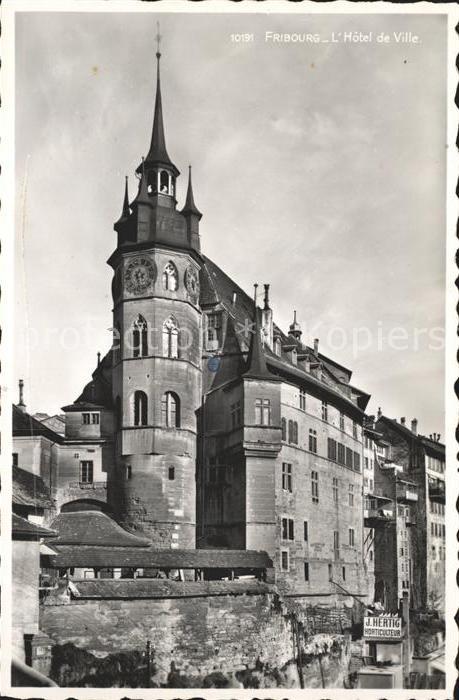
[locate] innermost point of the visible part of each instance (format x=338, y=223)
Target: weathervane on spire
x=158, y=42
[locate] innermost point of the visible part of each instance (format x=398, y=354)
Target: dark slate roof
x=281, y=367
x=218, y=287
x=30, y=490
x=190, y=206
x=158, y=151
x=433, y=445
x=93, y=528
x=76, y=555
x=162, y=588
x=26, y=425
x=24, y=529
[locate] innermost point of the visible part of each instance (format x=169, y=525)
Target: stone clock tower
x=156, y=352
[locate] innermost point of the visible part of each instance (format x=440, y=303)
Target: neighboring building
x=31, y=506
x=420, y=488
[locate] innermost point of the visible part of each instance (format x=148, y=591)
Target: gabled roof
x=140, y=557
x=433, y=445
x=93, y=528
x=30, y=490
x=163, y=588
x=26, y=530
x=25, y=425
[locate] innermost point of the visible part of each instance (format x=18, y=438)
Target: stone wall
x=212, y=641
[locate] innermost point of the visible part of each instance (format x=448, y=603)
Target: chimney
x=21, y=403
x=438, y=437
x=402, y=421
x=267, y=320
x=414, y=426
x=98, y=358
x=316, y=346
x=379, y=413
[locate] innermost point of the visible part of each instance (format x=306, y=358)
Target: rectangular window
x=366, y=462
x=15, y=459
x=95, y=418
x=341, y=454
x=335, y=540
x=284, y=560
x=330, y=572
x=356, y=462
x=128, y=471
x=302, y=400
x=86, y=418
x=351, y=537
x=288, y=529
x=287, y=476
x=315, y=486
x=305, y=531
x=371, y=485
x=171, y=473
x=306, y=571
x=349, y=459
x=351, y=494
x=341, y=421
x=332, y=449
x=354, y=430
x=263, y=412
x=344, y=573
x=335, y=490
x=313, y=441
x=324, y=410
x=86, y=472
x=401, y=552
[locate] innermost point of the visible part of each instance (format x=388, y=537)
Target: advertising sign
x=382, y=627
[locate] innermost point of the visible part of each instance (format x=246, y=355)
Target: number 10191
x=240, y=38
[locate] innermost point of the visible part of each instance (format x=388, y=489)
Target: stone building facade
x=421, y=494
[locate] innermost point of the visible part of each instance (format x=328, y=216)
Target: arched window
x=140, y=408
x=295, y=433
x=170, y=338
x=164, y=182
x=170, y=410
x=140, y=337
x=170, y=277
x=284, y=428
x=118, y=413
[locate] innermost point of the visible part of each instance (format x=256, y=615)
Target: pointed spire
x=256, y=361
x=295, y=328
x=190, y=207
x=126, y=210
x=158, y=153
x=142, y=194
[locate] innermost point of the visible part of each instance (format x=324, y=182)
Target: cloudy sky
x=319, y=168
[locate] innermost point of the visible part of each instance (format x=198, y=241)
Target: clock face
x=192, y=281
x=139, y=275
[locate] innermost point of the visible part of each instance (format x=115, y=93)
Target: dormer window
x=278, y=347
